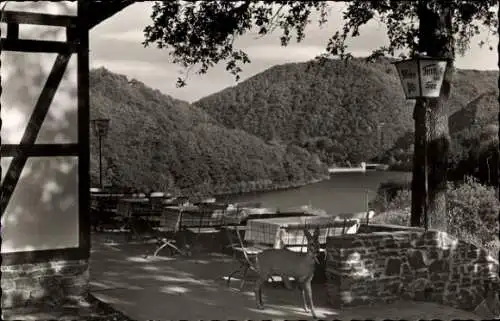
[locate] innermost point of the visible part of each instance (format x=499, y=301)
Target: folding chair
x=244, y=252
x=149, y=223
x=103, y=211
x=201, y=222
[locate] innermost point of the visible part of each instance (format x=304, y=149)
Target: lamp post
x=379, y=138
x=100, y=127
x=422, y=77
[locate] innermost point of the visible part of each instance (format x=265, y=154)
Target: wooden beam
x=33, y=257
x=98, y=11
x=42, y=19
x=33, y=127
x=25, y=45
x=82, y=34
x=39, y=150
x=12, y=31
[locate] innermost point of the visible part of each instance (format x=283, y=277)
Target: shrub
x=393, y=217
x=472, y=207
x=392, y=195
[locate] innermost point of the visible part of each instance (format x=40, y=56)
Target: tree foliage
x=402, y=21
x=202, y=33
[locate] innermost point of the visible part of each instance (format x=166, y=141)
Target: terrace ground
x=194, y=288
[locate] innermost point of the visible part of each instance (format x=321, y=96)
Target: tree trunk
x=436, y=39
x=498, y=148
x=418, y=181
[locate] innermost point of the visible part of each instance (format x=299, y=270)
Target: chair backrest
x=200, y=217
x=261, y=232
x=170, y=220
x=235, y=235
x=156, y=203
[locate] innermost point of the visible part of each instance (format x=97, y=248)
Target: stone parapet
x=407, y=264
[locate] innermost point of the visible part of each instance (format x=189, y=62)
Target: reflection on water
x=342, y=193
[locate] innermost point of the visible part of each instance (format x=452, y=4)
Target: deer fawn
x=287, y=264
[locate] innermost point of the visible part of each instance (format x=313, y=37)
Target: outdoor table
x=272, y=231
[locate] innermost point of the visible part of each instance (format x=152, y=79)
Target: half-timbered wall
x=42, y=212
x=44, y=153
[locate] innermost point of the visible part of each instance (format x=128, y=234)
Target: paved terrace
x=193, y=288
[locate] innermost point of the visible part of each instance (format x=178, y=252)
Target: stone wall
x=387, y=264
x=48, y=283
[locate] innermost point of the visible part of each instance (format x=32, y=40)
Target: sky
x=116, y=45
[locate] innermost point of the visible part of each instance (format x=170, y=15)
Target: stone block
x=393, y=267
x=406, y=269
x=469, y=298
x=380, y=262
x=439, y=285
x=436, y=296
x=417, y=244
x=405, y=245
x=483, y=257
x=387, y=252
x=451, y=287
x=446, y=253
x=422, y=274
x=419, y=295
x=359, y=243
x=417, y=259
x=395, y=288
x=473, y=253
x=389, y=244
x=451, y=299
x=466, y=282
x=432, y=235
x=438, y=277
x=439, y=266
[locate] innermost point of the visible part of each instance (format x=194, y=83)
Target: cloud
x=121, y=36
x=131, y=67
x=135, y=36
x=279, y=53
x=292, y=53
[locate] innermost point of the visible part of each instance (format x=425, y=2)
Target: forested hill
x=157, y=142
x=473, y=108
x=335, y=109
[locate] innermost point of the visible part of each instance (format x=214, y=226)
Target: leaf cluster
x=200, y=34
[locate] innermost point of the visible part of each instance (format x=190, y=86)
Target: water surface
x=342, y=193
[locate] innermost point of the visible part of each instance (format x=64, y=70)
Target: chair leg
x=231, y=275
x=169, y=244
x=244, y=276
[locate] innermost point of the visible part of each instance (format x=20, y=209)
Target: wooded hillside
x=157, y=142
x=335, y=109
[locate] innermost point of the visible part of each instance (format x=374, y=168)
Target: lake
x=342, y=193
